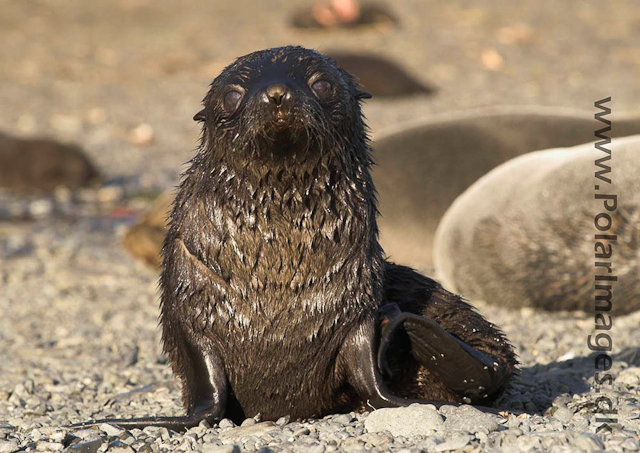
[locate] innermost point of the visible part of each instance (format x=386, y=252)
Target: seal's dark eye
x=322, y=89
x=232, y=100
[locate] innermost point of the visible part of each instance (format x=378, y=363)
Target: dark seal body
x=272, y=272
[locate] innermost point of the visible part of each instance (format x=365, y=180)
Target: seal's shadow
x=540, y=385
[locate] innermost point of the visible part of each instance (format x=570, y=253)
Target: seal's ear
x=200, y=116
x=363, y=95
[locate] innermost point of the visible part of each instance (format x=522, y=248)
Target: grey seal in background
x=423, y=166
x=524, y=234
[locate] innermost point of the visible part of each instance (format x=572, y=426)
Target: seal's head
x=282, y=102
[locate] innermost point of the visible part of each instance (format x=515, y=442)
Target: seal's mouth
x=281, y=119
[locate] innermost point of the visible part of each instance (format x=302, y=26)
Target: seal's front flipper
x=173, y=423
x=464, y=369
x=206, y=390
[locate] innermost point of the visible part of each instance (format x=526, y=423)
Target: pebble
x=469, y=419
x=142, y=135
x=208, y=448
x=343, y=419
x=225, y=423
x=91, y=446
x=258, y=429
x=49, y=446
x=110, y=429
x=415, y=420
x=375, y=439
x=119, y=447
x=283, y=420
x=563, y=414
x=457, y=443
x=8, y=446
x=589, y=442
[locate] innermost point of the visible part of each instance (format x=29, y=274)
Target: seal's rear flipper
x=363, y=374
x=464, y=369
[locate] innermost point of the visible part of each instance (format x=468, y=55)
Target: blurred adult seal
x=423, y=165
x=275, y=295
x=524, y=234
x=40, y=164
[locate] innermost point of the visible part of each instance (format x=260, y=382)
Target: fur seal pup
x=275, y=294
x=524, y=234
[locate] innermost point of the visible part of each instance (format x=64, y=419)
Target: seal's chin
x=281, y=120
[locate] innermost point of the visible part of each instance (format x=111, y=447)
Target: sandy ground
x=78, y=316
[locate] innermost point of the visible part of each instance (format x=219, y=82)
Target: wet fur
x=272, y=257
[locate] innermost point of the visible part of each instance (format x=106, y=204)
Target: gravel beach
x=123, y=78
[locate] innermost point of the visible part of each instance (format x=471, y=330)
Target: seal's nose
x=277, y=93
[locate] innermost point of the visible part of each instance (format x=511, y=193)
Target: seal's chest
x=291, y=376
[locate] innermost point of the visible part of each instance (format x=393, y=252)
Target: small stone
x=8, y=446
x=142, y=135
x=90, y=446
x=283, y=420
x=205, y=425
x=120, y=447
x=88, y=434
x=630, y=377
x=226, y=423
x=563, y=414
x=49, y=446
x=469, y=419
x=456, y=443
x=248, y=422
x=631, y=445
x=210, y=448
x=111, y=430
x=301, y=432
x=40, y=208
x=109, y=194
x=343, y=419
x=258, y=429
x=165, y=435
x=492, y=60
x=209, y=438
x=375, y=439
x=589, y=442
x=415, y=420
x=529, y=443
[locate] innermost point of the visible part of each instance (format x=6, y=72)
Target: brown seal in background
x=423, y=166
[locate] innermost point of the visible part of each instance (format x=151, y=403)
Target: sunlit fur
x=272, y=257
